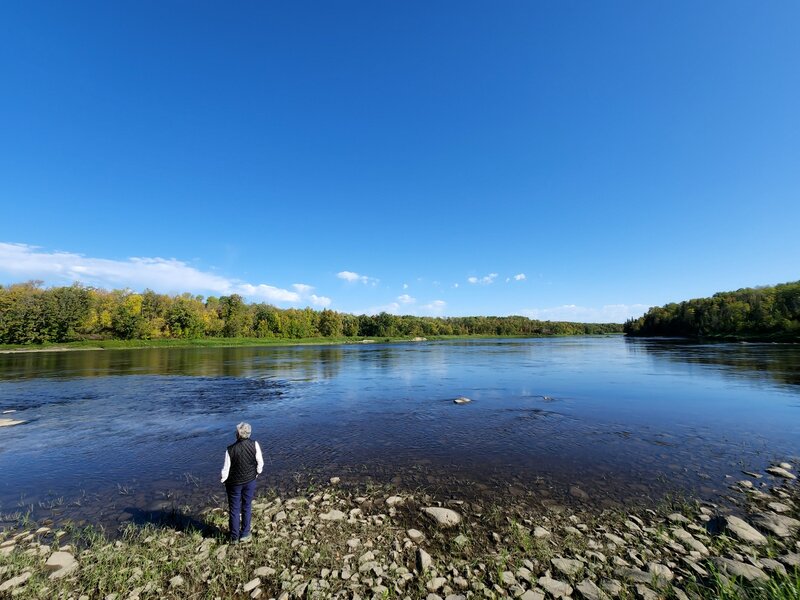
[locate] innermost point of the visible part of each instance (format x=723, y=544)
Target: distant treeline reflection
x=31, y=314
x=771, y=313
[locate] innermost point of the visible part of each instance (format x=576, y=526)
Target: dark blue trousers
x=240, y=506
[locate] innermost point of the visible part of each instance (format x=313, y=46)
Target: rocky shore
x=377, y=542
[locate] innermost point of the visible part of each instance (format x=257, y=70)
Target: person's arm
x=226, y=467
x=259, y=459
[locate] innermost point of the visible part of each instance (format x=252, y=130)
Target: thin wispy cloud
x=434, y=308
x=519, y=277
x=610, y=313
x=165, y=275
x=406, y=299
x=352, y=277
x=488, y=279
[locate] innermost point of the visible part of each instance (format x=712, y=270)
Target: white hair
x=243, y=430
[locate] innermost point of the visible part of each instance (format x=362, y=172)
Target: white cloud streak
x=610, y=313
x=519, y=277
x=352, y=277
x=487, y=280
x=406, y=299
x=22, y=261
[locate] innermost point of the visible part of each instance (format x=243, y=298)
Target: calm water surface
x=117, y=434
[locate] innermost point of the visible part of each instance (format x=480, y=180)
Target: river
x=121, y=435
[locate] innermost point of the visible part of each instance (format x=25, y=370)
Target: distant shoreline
x=255, y=342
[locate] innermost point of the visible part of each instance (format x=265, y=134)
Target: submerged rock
x=781, y=472
x=462, y=400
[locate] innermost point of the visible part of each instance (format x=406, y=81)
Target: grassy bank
x=237, y=342
x=377, y=542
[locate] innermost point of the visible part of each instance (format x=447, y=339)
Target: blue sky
x=564, y=160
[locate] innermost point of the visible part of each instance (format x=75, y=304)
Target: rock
x=554, y=587
x=645, y=593
x=677, y=518
x=772, y=565
x=60, y=564
x=435, y=584
x=433, y=597
x=743, y=531
x=577, y=492
x=264, y=572
x=15, y=582
x=781, y=472
x=568, y=566
x=661, y=572
x=332, y=515
x=462, y=400
x=455, y=597
x=735, y=568
x=634, y=575
x=540, y=532
x=779, y=507
x=279, y=516
x=614, y=539
x=507, y=578
x=334, y=480
x=353, y=543
x=780, y=525
x=424, y=561
x=532, y=595
x=395, y=500
x=461, y=540
x=415, y=535
x=10, y=423
x=176, y=581
x=444, y=517
x=590, y=591
x=791, y=559
x=785, y=465
x=612, y=587
x=251, y=585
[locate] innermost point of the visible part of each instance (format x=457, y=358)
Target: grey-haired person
x=243, y=464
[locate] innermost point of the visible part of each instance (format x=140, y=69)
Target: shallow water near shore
x=127, y=435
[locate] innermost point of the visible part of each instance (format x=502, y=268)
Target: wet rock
x=781, y=472
x=577, y=492
x=10, y=422
x=462, y=400
x=743, y=531
x=444, y=517
x=735, y=568
x=60, y=564
x=554, y=587
x=567, y=566
x=589, y=591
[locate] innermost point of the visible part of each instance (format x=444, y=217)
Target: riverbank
x=246, y=342
x=378, y=542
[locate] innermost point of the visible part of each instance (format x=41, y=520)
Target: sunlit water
x=116, y=435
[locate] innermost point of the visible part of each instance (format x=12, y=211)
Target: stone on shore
x=60, y=564
x=554, y=587
x=332, y=515
x=15, y=582
x=744, y=531
x=781, y=472
x=567, y=566
x=779, y=525
x=735, y=568
x=443, y=517
x=415, y=535
x=589, y=590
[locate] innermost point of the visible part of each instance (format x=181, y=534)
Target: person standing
x=243, y=463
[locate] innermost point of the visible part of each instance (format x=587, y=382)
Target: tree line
x=770, y=312
x=32, y=314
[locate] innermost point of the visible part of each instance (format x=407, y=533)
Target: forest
x=769, y=312
x=32, y=314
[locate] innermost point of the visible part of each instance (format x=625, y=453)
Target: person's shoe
x=245, y=539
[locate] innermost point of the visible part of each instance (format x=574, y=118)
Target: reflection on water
x=113, y=433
